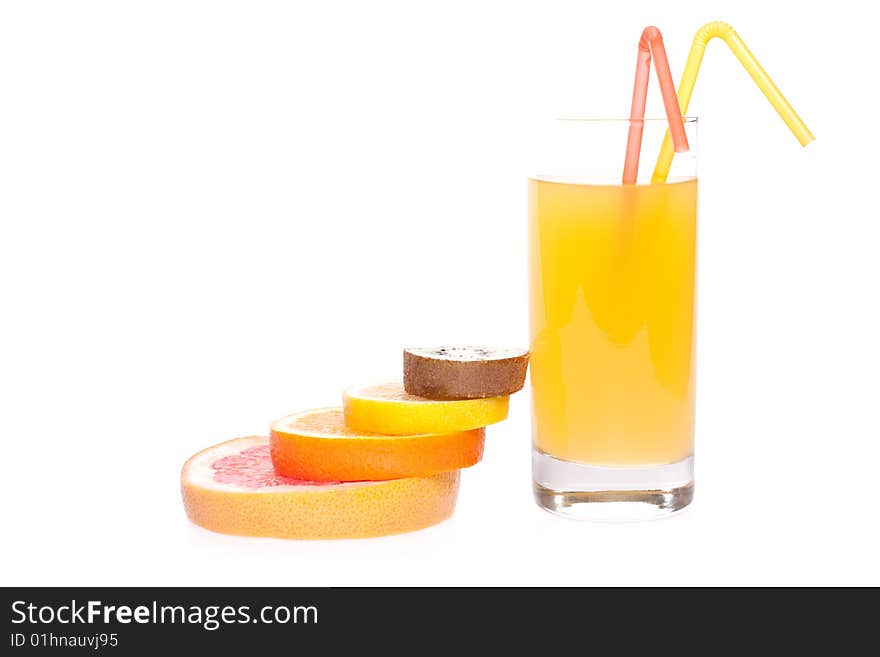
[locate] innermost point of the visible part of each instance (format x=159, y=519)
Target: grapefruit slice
x=317, y=445
x=232, y=488
x=387, y=408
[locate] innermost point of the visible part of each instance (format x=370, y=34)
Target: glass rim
x=688, y=119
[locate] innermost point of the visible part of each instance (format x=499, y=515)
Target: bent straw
x=686, y=87
x=651, y=43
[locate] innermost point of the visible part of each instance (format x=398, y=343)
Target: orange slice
x=232, y=488
x=317, y=445
x=388, y=409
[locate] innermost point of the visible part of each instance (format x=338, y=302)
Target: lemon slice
x=386, y=408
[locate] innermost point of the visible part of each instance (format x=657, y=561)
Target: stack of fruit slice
x=387, y=462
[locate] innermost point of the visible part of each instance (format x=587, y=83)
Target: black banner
x=126, y=621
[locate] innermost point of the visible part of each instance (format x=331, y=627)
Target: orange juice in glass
x=612, y=282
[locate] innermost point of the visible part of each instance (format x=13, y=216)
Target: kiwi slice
x=463, y=372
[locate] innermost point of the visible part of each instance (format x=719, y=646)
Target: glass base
x=590, y=492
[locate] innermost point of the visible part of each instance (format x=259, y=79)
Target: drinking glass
x=611, y=296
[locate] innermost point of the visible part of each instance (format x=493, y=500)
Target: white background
x=217, y=213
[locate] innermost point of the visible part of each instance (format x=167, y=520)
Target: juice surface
x=611, y=274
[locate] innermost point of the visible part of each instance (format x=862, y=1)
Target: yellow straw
x=686, y=87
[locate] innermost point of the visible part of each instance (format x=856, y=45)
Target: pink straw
x=650, y=44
